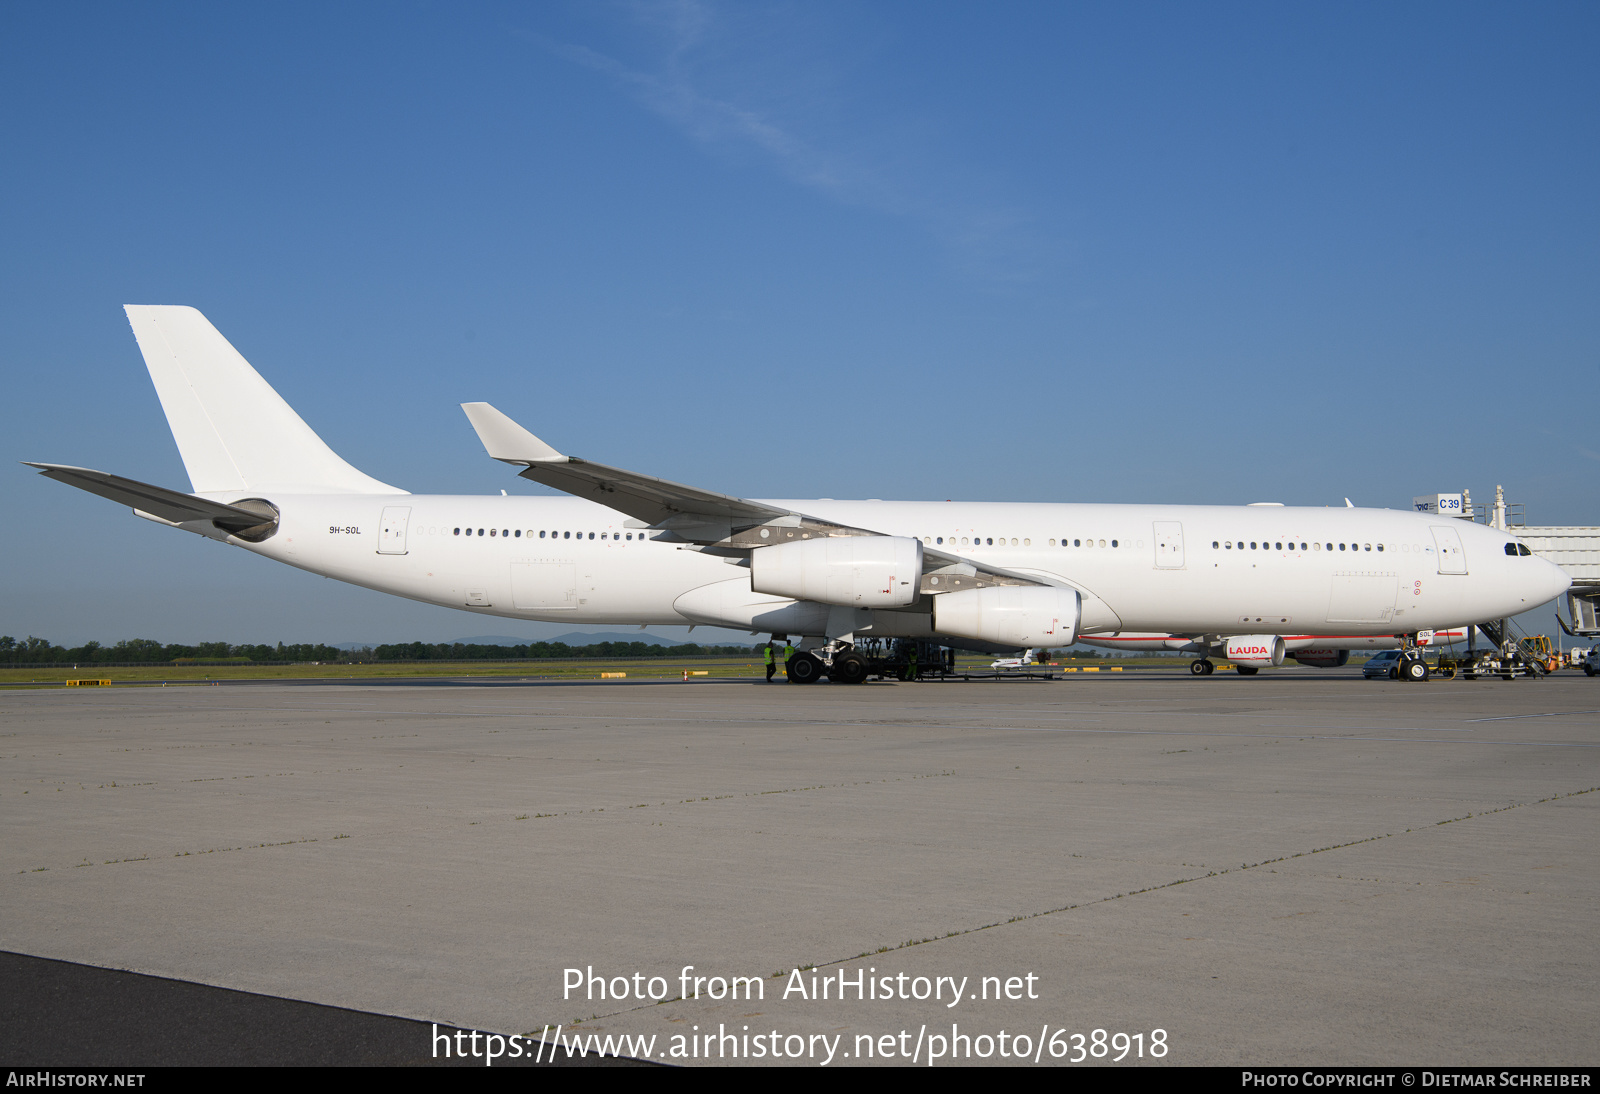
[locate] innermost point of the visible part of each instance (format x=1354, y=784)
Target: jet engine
x=1322, y=659
x=855, y=571
x=1011, y=615
x=1255, y=650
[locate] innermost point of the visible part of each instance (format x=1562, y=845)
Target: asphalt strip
x=62, y=1014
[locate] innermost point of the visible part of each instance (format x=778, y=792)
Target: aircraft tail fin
x=233, y=430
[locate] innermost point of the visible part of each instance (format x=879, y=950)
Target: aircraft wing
x=158, y=501
x=657, y=502
x=694, y=515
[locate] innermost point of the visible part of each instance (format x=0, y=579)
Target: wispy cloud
x=983, y=236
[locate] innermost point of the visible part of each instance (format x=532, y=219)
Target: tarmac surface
x=1300, y=868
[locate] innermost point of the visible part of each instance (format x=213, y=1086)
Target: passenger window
x=1341, y=546
x=541, y=535
x=1228, y=546
x=939, y=540
x=458, y=531
x=1077, y=543
x=1369, y=546
x=1277, y=546
x=1102, y=543
x=1026, y=542
x=566, y=535
x=491, y=531
x=1113, y=543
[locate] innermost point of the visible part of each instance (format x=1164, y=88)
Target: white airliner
x=1245, y=582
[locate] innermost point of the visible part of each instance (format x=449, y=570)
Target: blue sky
x=1116, y=252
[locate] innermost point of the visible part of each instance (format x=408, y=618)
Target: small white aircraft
x=627, y=548
x=1033, y=656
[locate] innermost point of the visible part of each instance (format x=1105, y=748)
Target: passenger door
x=1169, y=544
x=1452, y=560
x=392, y=530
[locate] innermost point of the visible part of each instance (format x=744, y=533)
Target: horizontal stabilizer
x=155, y=500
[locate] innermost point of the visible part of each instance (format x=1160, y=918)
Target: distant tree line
x=142, y=651
x=459, y=651
x=39, y=651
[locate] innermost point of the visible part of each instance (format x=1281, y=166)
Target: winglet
x=504, y=439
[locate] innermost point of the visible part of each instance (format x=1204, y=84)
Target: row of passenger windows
x=1229, y=545
x=517, y=534
x=989, y=541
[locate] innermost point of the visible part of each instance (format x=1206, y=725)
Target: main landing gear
x=848, y=667
x=1201, y=667
x=803, y=668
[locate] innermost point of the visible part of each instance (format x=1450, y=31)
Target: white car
x=1384, y=666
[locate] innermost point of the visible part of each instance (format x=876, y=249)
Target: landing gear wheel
x=1415, y=671
x=1200, y=668
x=1588, y=670
x=848, y=668
x=1246, y=670
x=803, y=669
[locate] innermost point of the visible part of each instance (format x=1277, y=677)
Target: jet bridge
x=1574, y=548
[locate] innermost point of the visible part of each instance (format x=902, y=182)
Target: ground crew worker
x=788, y=654
x=766, y=655
x=913, y=674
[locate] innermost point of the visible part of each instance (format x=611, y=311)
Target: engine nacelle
x=856, y=571
x=1011, y=615
x=1322, y=659
x=1255, y=650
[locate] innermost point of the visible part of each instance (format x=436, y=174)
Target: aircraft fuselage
x=1199, y=569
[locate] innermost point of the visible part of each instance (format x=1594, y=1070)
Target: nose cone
x=1543, y=582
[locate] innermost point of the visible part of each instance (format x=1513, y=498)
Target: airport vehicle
x=632, y=548
x=1382, y=666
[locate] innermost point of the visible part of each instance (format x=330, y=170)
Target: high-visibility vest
x=767, y=654
x=788, y=652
